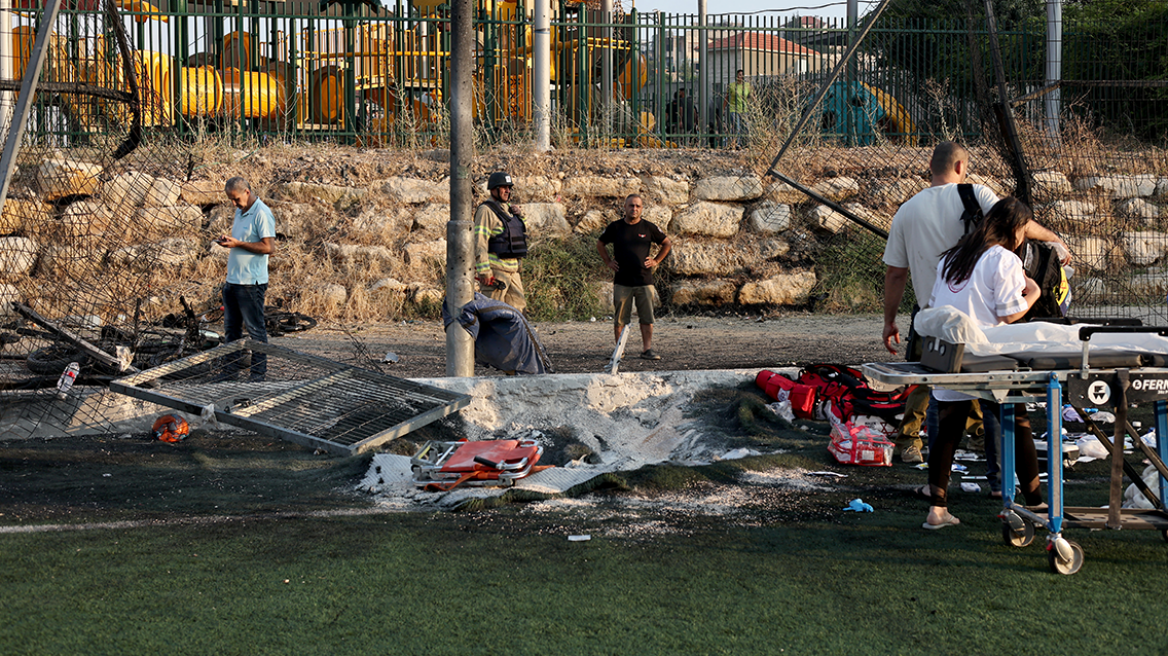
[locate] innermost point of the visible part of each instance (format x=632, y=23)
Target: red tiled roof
x=759, y=41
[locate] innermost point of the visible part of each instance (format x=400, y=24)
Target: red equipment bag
x=850, y=395
x=865, y=401
x=801, y=396
x=841, y=385
x=832, y=380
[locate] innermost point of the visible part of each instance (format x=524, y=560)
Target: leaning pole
x=459, y=246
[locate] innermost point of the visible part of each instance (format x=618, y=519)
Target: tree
x=1123, y=41
x=1009, y=14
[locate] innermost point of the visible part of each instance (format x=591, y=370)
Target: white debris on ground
x=626, y=420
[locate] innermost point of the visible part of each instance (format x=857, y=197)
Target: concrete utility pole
x=1054, y=66
x=541, y=93
x=459, y=244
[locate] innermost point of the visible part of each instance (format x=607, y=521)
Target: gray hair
x=236, y=184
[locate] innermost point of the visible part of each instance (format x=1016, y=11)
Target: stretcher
x=1124, y=378
x=442, y=466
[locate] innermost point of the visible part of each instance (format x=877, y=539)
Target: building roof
x=759, y=41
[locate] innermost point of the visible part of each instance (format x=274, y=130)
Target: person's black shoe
x=650, y=355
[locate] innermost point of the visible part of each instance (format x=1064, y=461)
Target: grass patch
x=560, y=278
x=800, y=577
x=108, y=478
x=512, y=584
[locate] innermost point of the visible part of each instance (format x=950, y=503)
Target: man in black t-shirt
x=631, y=240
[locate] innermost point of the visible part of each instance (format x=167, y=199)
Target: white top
x=993, y=290
x=927, y=225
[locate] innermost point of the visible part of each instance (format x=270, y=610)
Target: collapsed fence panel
x=301, y=398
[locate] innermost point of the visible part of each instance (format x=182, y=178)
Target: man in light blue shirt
x=252, y=240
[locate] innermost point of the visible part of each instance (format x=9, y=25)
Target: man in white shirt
x=925, y=226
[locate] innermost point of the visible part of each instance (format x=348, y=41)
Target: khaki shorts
x=623, y=299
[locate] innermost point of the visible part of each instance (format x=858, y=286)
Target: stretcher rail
x=1084, y=386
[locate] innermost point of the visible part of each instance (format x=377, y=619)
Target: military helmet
x=499, y=179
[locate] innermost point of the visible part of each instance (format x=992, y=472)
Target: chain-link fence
x=1065, y=112
x=95, y=252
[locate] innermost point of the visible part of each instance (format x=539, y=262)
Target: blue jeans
x=243, y=307
x=737, y=127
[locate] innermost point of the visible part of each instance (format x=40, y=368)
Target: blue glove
x=857, y=505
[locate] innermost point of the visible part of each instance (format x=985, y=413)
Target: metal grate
x=302, y=398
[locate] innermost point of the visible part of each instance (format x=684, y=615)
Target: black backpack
x=1039, y=259
x=1041, y=262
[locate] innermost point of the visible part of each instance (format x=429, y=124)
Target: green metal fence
x=357, y=74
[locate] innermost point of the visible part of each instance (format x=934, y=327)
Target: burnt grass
x=75, y=480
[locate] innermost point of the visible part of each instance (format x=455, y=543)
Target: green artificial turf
x=225, y=557
x=507, y=582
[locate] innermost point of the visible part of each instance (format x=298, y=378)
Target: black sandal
x=922, y=492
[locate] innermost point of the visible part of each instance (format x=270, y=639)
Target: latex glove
x=857, y=505
x=487, y=280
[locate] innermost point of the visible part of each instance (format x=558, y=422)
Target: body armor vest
x=512, y=242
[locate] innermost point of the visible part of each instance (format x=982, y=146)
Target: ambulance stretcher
x=1113, y=380
x=442, y=466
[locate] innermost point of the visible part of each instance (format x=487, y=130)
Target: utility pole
x=541, y=94
x=1054, y=67
x=459, y=245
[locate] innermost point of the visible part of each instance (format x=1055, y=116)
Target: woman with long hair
x=982, y=277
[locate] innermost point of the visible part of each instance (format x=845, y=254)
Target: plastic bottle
x=65, y=383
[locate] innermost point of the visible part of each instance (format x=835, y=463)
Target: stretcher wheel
x=1021, y=538
x=1066, y=567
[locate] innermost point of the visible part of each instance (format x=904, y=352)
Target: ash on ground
x=706, y=428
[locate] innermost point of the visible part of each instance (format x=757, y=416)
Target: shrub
x=560, y=278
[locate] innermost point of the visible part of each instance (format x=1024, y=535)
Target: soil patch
x=684, y=342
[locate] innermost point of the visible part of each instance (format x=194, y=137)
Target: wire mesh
x=96, y=242
x=1042, y=120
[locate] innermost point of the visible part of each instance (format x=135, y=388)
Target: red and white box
x=859, y=445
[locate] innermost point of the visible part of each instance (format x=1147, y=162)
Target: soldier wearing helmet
x=500, y=242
